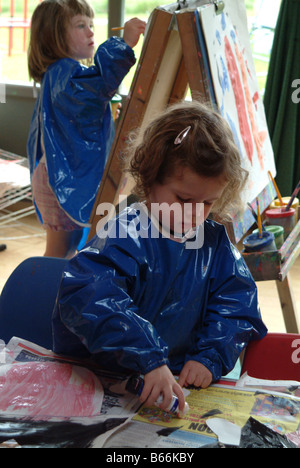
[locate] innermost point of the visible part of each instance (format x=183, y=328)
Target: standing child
x=72, y=127
x=143, y=301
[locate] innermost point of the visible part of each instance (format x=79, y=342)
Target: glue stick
x=135, y=384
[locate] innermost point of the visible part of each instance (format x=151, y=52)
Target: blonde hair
x=208, y=149
x=48, y=34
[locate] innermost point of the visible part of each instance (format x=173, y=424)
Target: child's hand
x=118, y=111
x=161, y=381
x=195, y=373
x=132, y=31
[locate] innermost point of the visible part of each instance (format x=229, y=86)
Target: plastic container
x=116, y=100
x=276, y=204
x=254, y=243
x=279, y=217
x=278, y=232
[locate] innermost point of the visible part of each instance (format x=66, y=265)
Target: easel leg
x=288, y=306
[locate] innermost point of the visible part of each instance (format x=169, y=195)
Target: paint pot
x=276, y=204
x=116, y=100
x=279, y=217
x=254, y=243
x=278, y=232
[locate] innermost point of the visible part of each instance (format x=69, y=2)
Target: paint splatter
x=223, y=76
x=255, y=99
x=223, y=21
x=234, y=132
x=259, y=137
x=239, y=100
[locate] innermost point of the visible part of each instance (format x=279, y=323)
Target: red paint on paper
x=49, y=389
x=258, y=137
x=239, y=100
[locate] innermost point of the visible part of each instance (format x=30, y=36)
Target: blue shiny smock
x=73, y=119
x=135, y=300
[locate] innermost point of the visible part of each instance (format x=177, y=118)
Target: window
x=262, y=18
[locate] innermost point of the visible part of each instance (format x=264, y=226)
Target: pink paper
x=49, y=389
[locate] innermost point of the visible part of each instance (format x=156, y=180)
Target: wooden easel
x=275, y=266
x=171, y=60
x=165, y=69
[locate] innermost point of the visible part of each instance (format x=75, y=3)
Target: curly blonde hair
x=208, y=149
x=48, y=33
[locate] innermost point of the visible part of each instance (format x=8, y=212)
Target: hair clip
x=181, y=136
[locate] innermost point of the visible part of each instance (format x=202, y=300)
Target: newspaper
x=41, y=392
x=155, y=428
x=290, y=387
x=120, y=421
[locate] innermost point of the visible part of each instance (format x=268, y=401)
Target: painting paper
x=236, y=90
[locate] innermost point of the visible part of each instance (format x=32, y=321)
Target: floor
x=28, y=239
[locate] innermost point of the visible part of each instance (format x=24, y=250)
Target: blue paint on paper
x=234, y=132
x=225, y=77
x=223, y=21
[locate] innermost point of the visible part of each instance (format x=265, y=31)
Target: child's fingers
x=183, y=376
x=203, y=381
x=195, y=373
x=198, y=380
x=137, y=24
x=149, y=395
x=145, y=393
x=180, y=395
x=165, y=400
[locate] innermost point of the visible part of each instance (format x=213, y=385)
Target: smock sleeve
x=97, y=309
x=112, y=61
x=232, y=317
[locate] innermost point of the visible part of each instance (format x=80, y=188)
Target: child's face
x=80, y=37
x=187, y=190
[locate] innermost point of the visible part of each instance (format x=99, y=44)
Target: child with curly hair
x=166, y=295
